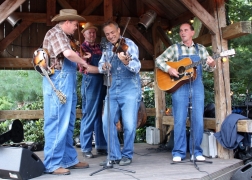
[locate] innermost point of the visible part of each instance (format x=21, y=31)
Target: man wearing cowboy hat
x=59, y=119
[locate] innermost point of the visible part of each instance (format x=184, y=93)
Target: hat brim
x=91, y=27
x=68, y=17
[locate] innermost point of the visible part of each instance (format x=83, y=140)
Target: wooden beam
x=158, y=94
x=108, y=9
x=8, y=7
x=14, y=34
x=163, y=36
x=210, y=123
x=34, y=17
x=39, y=114
x=236, y=30
x=232, y=31
x=147, y=65
x=206, y=18
x=140, y=8
x=64, y=4
x=91, y=7
x=140, y=39
x=50, y=12
x=16, y=63
x=26, y=63
x=221, y=76
x=96, y=20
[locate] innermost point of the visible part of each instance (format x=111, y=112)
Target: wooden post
x=159, y=95
x=221, y=78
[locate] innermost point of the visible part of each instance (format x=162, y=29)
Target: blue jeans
x=180, y=101
x=124, y=100
x=93, y=93
x=59, y=119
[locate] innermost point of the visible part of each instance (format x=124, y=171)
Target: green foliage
x=4, y=126
x=33, y=131
x=5, y=103
x=20, y=86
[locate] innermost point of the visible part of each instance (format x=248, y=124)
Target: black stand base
x=110, y=166
x=193, y=161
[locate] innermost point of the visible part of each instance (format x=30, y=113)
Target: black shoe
x=125, y=161
x=87, y=154
x=101, y=152
x=104, y=163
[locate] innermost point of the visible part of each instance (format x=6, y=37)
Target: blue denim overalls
x=124, y=100
x=93, y=93
x=59, y=119
x=180, y=102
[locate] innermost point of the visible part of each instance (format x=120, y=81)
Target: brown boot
x=80, y=165
x=61, y=171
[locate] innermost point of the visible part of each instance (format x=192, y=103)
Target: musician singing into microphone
x=180, y=98
x=124, y=92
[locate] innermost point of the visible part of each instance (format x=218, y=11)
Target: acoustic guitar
x=186, y=68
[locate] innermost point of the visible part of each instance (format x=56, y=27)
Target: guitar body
x=169, y=83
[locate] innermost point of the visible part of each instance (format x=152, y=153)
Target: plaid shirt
x=172, y=54
x=56, y=42
x=86, y=47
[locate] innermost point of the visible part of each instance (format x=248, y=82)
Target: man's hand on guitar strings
x=173, y=72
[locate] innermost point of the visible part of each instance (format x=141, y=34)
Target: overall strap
x=179, y=49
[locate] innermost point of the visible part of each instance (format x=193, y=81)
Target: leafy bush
x=33, y=131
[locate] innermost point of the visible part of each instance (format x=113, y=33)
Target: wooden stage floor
x=149, y=163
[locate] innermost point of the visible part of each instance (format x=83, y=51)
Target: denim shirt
x=109, y=56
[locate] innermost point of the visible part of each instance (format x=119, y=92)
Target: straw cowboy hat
x=88, y=26
x=68, y=14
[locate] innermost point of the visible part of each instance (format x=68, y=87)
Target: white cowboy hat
x=88, y=26
x=68, y=14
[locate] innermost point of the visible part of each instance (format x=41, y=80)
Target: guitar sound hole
x=181, y=70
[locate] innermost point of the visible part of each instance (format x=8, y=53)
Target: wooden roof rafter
x=8, y=7
x=199, y=11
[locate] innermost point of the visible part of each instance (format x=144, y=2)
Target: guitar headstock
x=230, y=52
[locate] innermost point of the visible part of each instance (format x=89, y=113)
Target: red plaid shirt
x=93, y=49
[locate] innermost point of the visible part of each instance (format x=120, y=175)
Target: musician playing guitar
x=180, y=96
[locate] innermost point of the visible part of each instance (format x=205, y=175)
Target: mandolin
x=39, y=62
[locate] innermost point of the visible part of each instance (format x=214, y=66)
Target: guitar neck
x=201, y=62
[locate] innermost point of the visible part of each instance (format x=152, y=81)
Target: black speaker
x=19, y=163
x=245, y=172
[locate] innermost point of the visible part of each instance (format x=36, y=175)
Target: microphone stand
x=192, y=158
x=109, y=163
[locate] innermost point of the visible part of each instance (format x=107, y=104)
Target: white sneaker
x=176, y=159
x=200, y=158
